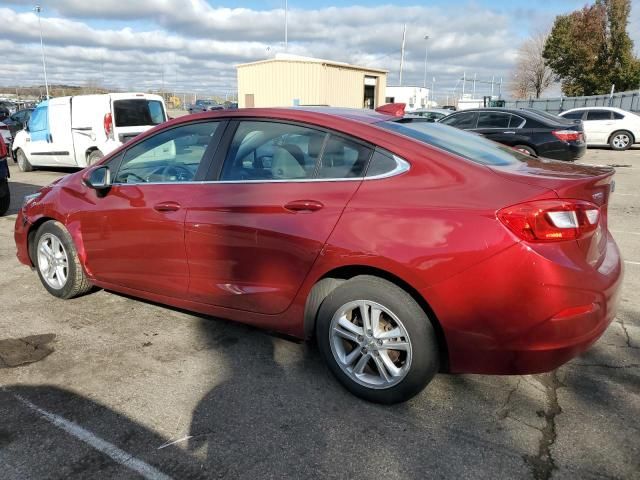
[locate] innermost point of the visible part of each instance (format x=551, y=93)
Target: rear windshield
x=138, y=112
x=465, y=144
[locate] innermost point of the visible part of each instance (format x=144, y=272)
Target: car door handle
x=167, y=207
x=304, y=206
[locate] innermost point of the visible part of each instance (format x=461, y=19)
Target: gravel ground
x=121, y=388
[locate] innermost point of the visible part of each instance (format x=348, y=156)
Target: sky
x=192, y=46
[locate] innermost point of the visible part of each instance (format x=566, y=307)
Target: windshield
x=468, y=145
x=138, y=112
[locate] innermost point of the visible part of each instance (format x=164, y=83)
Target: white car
x=77, y=131
x=607, y=126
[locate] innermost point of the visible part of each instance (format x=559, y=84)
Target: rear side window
x=461, y=120
x=617, y=116
x=381, y=163
x=493, y=120
x=598, y=115
x=573, y=115
x=342, y=158
x=138, y=112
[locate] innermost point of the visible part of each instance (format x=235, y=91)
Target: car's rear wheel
x=57, y=262
x=5, y=196
x=23, y=161
x=526, y=149
x=621, y=140
x=377, y=340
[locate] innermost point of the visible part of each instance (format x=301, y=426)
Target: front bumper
x=21, y=237
x=522, y=312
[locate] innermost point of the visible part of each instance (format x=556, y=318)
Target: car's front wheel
x=377, y=340
x=23, y=161
x=57, y=262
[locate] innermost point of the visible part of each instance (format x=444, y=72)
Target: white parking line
x=625, y=231
x=631, y=263
x=116, y=454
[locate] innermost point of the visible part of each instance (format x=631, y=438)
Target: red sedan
x=404, y=249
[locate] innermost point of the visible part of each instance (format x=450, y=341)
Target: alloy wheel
x=370, y=344
x=621, y=140
x=53, y=261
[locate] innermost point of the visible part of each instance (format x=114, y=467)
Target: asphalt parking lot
x=122, y=388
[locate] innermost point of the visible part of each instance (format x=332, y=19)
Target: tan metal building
x=288, y=80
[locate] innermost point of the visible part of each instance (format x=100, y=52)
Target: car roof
x=614, y=109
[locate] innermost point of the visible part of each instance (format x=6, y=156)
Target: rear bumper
x=566, y=151
x=521, y=312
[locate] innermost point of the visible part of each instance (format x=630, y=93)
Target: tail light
x=551, y=220
x=108, y=125
x=568, y=135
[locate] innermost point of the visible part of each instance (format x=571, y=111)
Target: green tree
x=589, y=49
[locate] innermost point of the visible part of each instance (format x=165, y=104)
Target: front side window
x=573, y=115
x=170, y=156
x=461, y=120
x=493, y=120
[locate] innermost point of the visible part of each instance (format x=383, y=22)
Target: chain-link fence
x=629, y=101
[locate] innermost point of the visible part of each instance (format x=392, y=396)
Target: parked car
x=17, y=121
x=8, y=106
x=4, y=113
x=205, y=106
x=404, y=249
x=432, y=114
x=77, y=131
x=607, y=126
x=5, y=194
x=5, y=133
x=524, y=130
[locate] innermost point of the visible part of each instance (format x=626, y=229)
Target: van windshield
x=138, y=112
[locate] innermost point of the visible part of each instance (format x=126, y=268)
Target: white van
x=77, y=131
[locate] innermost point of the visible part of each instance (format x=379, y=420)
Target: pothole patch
x=21, y=351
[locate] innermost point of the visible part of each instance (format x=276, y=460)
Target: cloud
x=189, y=45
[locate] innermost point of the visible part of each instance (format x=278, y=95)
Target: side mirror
x=26, y=127
x=99, y=178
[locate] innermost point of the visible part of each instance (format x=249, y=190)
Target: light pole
x=38, y=9
x=426, y=56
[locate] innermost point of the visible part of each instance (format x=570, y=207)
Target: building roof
x=283, y=57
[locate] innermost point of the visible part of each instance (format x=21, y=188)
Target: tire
x=61, y=249
x=359, y=363
x=621, y=140
x=5, y=196
x=93, y=157
x=23, y=161
x=526, y=149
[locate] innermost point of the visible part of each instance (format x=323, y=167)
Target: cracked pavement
x=133, y=389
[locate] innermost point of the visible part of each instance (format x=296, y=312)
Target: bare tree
x=531, y=76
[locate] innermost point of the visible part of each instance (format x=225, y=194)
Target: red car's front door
x=134, y=235
x=256, y=232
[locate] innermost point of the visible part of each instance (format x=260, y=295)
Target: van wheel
x=621, y=140
x=94, y=157
x=57, y=262
x=5, y=196
x=23, y=162
x=377, y=341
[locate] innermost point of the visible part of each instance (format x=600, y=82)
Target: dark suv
x=539, y=134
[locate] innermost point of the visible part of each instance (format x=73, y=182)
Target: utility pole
x=404, y=37
x=426, y=56
x=38, y=9
x=286, y=24
x=433, y=87
x=474, y=85
x=464, y=82
x=493, y=79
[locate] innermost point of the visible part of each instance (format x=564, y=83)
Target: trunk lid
x=570, y=181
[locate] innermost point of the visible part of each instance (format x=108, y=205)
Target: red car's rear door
x=134, y=235
x=258, y=228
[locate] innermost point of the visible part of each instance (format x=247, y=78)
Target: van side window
x=170, y=156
